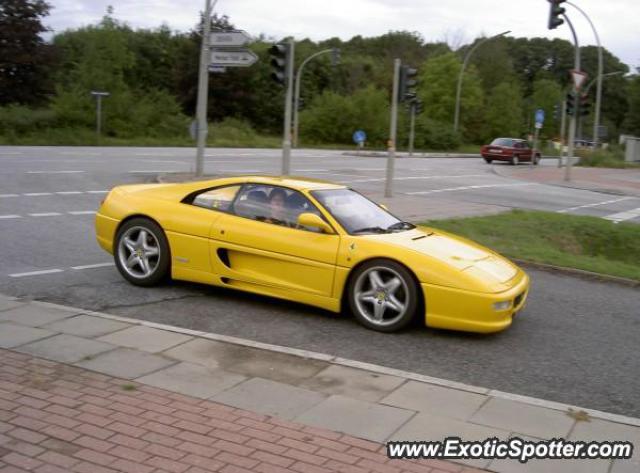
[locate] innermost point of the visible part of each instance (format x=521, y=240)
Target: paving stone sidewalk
x=88, y=392
x=611, y=181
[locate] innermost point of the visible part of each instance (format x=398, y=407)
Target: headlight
x=504, y=305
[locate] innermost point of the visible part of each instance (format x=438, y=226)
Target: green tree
x=632, y=121
x=546, y=94
x=437, y=84
x=504, y=111
x=25, y=58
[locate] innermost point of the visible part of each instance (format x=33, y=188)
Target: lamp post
x=98, y=95
x=296, y=99
x=456, y=118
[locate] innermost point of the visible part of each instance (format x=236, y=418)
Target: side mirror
x=307, y=219
x=384, y=207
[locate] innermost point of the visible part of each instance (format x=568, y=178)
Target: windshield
x=502, y=142
x=357, y=214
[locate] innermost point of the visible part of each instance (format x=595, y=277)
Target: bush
x=434, y=135
x=612, y=157
x=233, y=132
x=18, y=120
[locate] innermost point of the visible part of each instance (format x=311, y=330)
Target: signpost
x=539, y=123
x=359, y=137
x=579, y=78
x=229, y=39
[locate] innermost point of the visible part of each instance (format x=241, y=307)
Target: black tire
x=406, y=294
x=488, y=160
x=161, y=263
x=515, y=160
x=536, y=159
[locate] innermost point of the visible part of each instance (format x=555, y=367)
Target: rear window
x=502, y=142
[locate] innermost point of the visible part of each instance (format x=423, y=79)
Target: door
x=259, y=242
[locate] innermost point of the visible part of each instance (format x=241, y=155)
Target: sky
x=457, y=22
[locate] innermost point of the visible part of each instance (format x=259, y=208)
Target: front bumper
x=106, y=231
x=468, y=311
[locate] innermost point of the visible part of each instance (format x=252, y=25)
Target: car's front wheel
x=142, y=252
x=383, y=295
x=515, y=160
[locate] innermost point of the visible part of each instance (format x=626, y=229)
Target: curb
x=581, y=273
x=305, y=354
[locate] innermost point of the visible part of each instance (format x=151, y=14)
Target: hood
x=464, y=255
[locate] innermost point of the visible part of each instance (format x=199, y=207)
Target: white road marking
x=570, y=209
x=409, y=178
x=82, y=212
x=69, y=192
x=6, y=217
x=9, y=195
x=49, y=214
x=622, y=216
x=36, y=194
x=242, y=171
x=151, y=171
x=97, y=192
x=311, y=170
x=54, y=172
x=39, y=194
x=485, y=186
x=92, y=266
x=161, y=161
x=36, y=273
x=45, y=214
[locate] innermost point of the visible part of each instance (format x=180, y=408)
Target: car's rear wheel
x=383, y=295
x=536, y=159
x=142, y=252
x=515, y=160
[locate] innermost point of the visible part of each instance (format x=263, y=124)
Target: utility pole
x=203, y=88
x=572, y=122
x=286, y=138
x=99, y=95
x=412, y=129
x=388, y=191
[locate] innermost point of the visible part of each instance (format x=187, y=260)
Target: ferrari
x=313, y=242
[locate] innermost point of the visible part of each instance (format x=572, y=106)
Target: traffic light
x=571, y=104
x=335, y=56
x=418, y=106
x=585, y=105
x=555, y=12
x=407, y=83
x=279, y=59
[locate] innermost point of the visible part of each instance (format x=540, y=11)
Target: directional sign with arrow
x=229, y=38
x=233, y=57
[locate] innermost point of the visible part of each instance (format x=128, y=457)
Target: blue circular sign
x=540, y=116
x=359, y=136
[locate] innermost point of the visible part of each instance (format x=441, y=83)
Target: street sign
x=233, y=58
x=540, y=116
x=217, y=69
x=229, y=38
x=579, y=78
x=359, y=136
x=538, y=125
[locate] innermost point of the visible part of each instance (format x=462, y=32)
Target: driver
x=277, y=210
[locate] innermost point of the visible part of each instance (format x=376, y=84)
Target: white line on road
x=161, y=161
x=485, y=186
x=5, y=217
x=69, y=192
x=82, y=212
x=151, y=171
x=92, y=266
x=54, y=172
x=45, y=214
x=606, y=202
x=39, y=194
x=409, y=178
x=36, y=194
x=36, y=273
x=96, y=192
x=622, y=216
x=9, y=195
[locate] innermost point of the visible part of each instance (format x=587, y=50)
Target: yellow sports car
x=308, y=241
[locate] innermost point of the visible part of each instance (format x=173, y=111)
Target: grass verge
x=573, y=241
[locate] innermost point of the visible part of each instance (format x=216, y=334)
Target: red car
x=513, y=150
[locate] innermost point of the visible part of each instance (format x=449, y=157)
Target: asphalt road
x=576, y=342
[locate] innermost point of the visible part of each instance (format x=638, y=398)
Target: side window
x=217, y=199
x=272, y=204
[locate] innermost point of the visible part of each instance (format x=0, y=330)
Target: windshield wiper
x=401, y=226
x=370, y=230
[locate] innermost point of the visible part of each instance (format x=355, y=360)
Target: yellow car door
x=266, y=248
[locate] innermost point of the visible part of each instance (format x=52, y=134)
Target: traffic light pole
x=563, y=131
x=203, y=88
x=296, y=105
x=388, y=191
x=412, y=129
x=286, y=139
x=572, y=122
